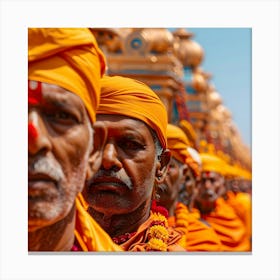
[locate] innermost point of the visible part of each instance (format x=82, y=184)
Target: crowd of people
x=107, y=172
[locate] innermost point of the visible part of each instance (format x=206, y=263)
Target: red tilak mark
x=207, y=173
x=34, y=92
x=32, y=133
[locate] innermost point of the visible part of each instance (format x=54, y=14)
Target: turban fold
x=211, y=162
x=189, y=131
x=69, y=58
x=132, y=98
x=237, y=172
x=178, y=144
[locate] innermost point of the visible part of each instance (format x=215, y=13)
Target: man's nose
x=207, y=184
x=110, y=158
x=38, y=138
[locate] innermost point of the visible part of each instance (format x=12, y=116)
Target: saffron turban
x=189, y=131
x=178, y=144
x=211, y=162
x=132, y=98
x=69, y=58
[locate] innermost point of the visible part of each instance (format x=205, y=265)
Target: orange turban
x=211, y=162
x=178, y=144
x=67, y=57
x=189, y=131
x=132, y=98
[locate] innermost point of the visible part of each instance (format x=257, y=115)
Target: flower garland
x=158, y=234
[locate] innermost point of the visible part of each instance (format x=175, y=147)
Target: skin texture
x=210, y=188
x=60, y=144
x=188, y=190
x=169, y=190
x=120, y=193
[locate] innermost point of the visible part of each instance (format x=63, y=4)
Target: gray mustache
x=48, y=167
x=116, y=175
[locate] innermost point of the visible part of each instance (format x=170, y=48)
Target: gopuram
x=170, y=63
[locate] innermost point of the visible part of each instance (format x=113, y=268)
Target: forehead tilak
x=34, y=92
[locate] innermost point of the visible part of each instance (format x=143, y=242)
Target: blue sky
x=228, y=58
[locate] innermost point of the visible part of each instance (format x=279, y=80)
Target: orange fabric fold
x=67, y=57
x=178, y=144
x=132, y=98
x=211, y=162
x=88, y=233
x=138, y=243
x=198, y=236
x=229, y=227
x=242, y=204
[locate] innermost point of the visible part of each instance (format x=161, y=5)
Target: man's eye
x=61, y=116
x=131, y=145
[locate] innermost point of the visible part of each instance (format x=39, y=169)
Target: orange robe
x=198, y=236
x=139, y=242
x=89, y=234
x=228, y=226
x=242, y=204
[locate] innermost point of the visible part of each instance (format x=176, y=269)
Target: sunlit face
x=126, y=177
x=59, y=143
x=168, y=191
x=210, y=187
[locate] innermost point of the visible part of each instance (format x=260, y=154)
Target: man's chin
x=36, y=225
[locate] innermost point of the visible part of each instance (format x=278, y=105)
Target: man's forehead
x=209, y=174
x=123, y=123
x=39, y=92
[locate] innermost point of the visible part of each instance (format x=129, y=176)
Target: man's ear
x=99, y=140
x=162, y=166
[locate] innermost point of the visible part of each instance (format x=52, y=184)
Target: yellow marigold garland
x=156, y=244
x=158, y=233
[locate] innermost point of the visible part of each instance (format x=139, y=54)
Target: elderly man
x=64, y=70
x=183, y=169
x=120, y=195
x=214, y=209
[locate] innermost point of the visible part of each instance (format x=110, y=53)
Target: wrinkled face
x=126, y=177
x=59, y=144
x=188, y=190
x=210, y=187
x=168, y=191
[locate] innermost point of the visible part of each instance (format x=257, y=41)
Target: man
x=215, y=210
x=64, y=70
x=183, y=169
x=240, y=201
x=135, y=159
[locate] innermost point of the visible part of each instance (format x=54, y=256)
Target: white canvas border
x=262, y=16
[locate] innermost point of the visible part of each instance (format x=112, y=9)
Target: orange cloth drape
x=67, y=57
x=229, y=227
x=242, y=204
x=198, y=236
x=139, y=241
x=211, y=162
x=88, y=233
x=178, y=143
x=132, y=98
